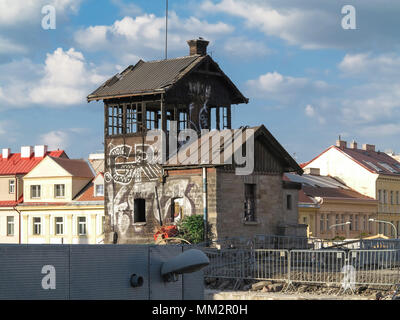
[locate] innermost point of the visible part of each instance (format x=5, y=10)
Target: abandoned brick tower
x=174, y=95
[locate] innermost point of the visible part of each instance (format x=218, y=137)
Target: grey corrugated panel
x=103, y=272
x=21, y=271
x=193, y=283
x=147, y=77
x=159, y=289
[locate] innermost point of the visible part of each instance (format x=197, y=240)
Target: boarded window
x=249, y=202
x=289, y=202
x=140, y=210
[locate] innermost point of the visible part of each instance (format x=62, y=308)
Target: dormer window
x=99, y=190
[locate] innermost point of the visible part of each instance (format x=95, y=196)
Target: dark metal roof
x=205, y=150
x=146, y=77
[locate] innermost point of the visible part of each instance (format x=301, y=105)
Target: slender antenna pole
x=166, y=31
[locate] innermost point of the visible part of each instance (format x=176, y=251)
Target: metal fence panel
x=104, y=271
x=317, y=266
x=226, y=263
x=271, y=265
x=375, y=267
x=32, y=272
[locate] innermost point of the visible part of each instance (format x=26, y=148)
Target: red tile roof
x=87, y=193
x=17, y=165
x=11, y=203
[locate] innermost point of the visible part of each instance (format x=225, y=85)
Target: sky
x=312, y=69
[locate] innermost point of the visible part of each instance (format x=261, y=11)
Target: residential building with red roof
x=332, y=209
x=13, y=167
x=63, y=203
x=368, y=171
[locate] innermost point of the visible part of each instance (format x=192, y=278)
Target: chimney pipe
x=198, y=46
x=353, y=145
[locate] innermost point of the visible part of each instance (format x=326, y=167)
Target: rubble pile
x=223, y=284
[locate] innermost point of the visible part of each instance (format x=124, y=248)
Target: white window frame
x=34, y=189
x=10, y=224
x=96, y=193
x=37, y=226
x=61, y=189
x=84, y=224
x=11, y=186
x=59, y=224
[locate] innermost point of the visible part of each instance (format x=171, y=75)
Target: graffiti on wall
x=198, y=111
x=125, y=166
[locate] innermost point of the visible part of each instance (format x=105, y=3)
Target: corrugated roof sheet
x=146, y=77
x=211, y=154
x=17, y=165
x=324, y=187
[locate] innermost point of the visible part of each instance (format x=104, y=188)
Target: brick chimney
x=341, y=144
x=198, y=46
x=369, y=147
x=353, y=145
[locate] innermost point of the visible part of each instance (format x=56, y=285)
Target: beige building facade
x=369, y=172
x=63, y=204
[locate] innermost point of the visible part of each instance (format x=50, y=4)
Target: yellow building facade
x=369, y=172
x=62, y=204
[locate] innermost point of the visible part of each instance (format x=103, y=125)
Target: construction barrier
x=330, y=267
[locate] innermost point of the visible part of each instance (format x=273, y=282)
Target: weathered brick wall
x=230, y=204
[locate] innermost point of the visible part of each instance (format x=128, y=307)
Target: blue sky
x=308, y=79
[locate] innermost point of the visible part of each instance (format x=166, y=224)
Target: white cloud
x=242, y=47
x=15, y=12
x=366, y=64
x=64, y=79
x=315, y=24
x=380, y=130
x=57, y=139
x=144, y=35
x=310, y=111
x=127, y=8
x=274, y=85
x=7, y=46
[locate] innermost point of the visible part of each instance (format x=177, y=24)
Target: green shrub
x=191, y=228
